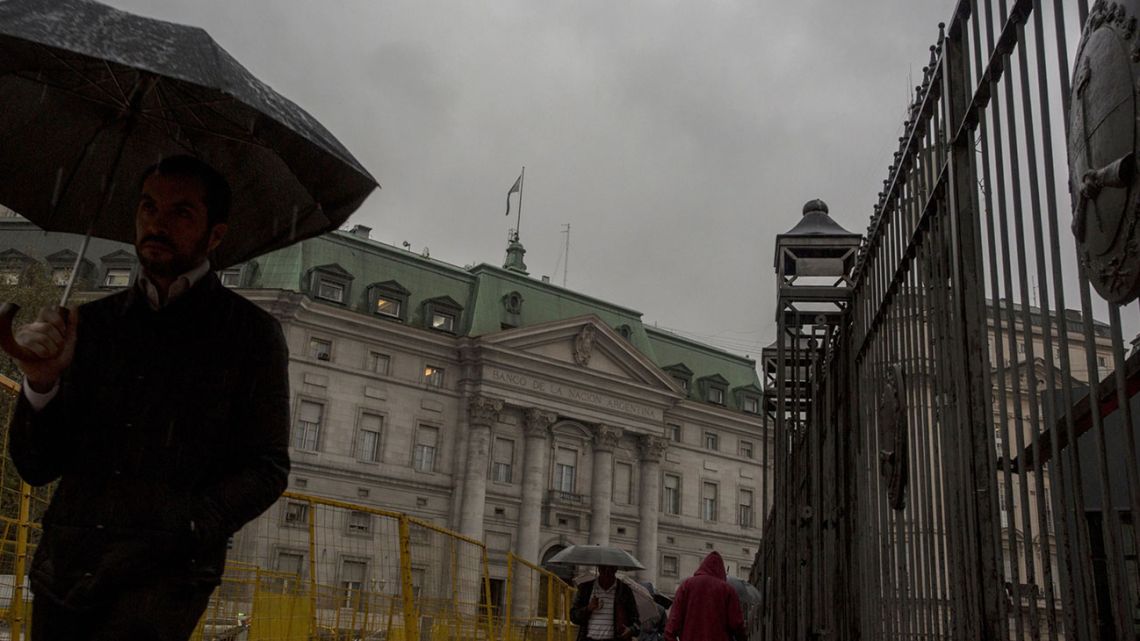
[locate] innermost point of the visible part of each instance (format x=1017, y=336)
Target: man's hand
x=595, y=603
x=51, y=337
x=626, y=632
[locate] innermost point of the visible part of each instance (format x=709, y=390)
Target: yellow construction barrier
x=316, y=569
x=538, y=604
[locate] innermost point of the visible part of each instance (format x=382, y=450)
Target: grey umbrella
x=93, y=95
x=596, y=555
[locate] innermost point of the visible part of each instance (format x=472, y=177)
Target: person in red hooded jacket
x=705, y=607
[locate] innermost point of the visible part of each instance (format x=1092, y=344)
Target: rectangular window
x=433, y=376
x=230, y=277
x=423, y=459
x=359, y=523
x=388, y=307
x=443, y=322
x=716, y=395
x=378, y=363
x=744, y=511
x=673, y=432
x=60, y=275
x=328, y=290
x=368, y=438
x=290, y=562
x=623, y=484
x=307, y=431
x=502, y=460
x=116, y=277
x=296, y=514
x=565, y=468
x=669, y=565
x=671, y=498
x=712, y=441
x=709, y=506
x=746, y=449
x=683, y=382
x=353, y=573
x=320, y=349
x=751, y=405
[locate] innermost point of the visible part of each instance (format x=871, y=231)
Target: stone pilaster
x=651, y=449
x=601, y=488
x=482, y=412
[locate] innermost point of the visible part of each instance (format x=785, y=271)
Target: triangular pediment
x=1020, y=372
x=118, y=256
x=14, y=257
x=333, y=269
x=586, y=343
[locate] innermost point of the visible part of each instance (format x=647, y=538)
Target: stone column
x=652, y=449
x=602, y=482
x=536, y=427
x=482, y=413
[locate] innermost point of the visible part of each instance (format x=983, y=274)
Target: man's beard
x=176, y=264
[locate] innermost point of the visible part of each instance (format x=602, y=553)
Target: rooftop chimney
x=361, y=231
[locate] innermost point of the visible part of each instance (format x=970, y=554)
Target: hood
x=713, y=565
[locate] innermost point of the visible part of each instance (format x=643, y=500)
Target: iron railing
x=954, y=453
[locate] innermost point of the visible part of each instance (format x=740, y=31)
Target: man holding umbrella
x=604, y=608
x=163, y=412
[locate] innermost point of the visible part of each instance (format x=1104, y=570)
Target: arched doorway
x=564, y=572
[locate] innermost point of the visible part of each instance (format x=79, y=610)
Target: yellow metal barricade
x=331, y=570
x=538, y=604
x=309, y=569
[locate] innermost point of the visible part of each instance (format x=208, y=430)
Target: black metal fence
x=953, y=407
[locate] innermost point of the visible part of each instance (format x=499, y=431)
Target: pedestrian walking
x=705, y=607
x=604, y=609
x=163, y=411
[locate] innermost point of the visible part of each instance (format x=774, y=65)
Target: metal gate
x=952, y=395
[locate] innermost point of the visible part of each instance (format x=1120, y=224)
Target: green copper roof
x=493, y=298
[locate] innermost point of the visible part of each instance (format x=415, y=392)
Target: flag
x=516, y=188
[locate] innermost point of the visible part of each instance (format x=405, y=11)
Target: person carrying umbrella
x=163, y=412
x=604, y=608
x=706, y=607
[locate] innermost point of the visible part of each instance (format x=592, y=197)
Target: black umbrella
x=93, y=95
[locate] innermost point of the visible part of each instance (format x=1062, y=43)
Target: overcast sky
x=675, y=138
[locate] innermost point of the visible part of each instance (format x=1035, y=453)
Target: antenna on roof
x=566, y=265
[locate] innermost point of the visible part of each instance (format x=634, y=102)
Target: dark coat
x=625, y=609
x=706, y=607
x=168, y=433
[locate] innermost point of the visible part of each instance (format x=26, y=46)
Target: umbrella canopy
x=93, y=95
x=749, y=595
x=647, y=611
x=597, y=555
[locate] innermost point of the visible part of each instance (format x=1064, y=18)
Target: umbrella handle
x=8, y=339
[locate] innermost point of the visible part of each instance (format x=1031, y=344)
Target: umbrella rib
x=115, y=79
x=207, y=104
x=75, y=92
x=78, y=72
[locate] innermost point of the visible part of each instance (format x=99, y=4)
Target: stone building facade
x=503, y=406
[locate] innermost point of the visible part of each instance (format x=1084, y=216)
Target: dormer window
x=442, y=314
x=751, y=405
x=330, y=291
x=713, y=388
x=682, y=375
x=716, y=395
x=117, y=277
x=388, y=299
x=62, y=263
x=230, y=277
x=625, y=331
x=443, y=321
x=330, y=283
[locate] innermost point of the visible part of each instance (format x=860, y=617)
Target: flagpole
x=518, y=222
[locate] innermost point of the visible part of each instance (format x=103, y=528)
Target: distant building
x=500, y=405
